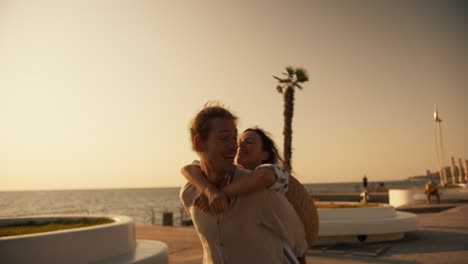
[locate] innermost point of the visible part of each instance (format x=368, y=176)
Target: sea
x=145, y=206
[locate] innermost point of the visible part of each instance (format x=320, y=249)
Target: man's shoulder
x=187, y=194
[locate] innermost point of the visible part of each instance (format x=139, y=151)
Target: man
x=431, y=188
x=258, y=225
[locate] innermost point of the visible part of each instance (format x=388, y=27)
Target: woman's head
x=255, y=148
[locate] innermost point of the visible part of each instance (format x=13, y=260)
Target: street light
x=440, y=147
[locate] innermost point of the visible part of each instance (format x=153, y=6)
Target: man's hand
x=217, y=200
x=201, y=202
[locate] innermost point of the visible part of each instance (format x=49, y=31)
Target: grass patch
x=32, y=227
x=343, y=205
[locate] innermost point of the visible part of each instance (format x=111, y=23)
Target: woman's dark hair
x=268, y=145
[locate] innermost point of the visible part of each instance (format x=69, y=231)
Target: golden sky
x=99, y=94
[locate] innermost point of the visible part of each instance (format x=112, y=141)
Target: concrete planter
x=363, y=224
x=400, y=197
x=107, y=243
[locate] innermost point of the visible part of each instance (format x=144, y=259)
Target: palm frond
x=301, y=75
x=279, y=88
x=281, y=80
x=298, y=85
x=290, y=70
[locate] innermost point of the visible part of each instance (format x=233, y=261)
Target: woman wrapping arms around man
x=256, y=152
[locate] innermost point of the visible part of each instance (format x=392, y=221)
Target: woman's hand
x=218, y=201
x=212, y=200
x=201, y=202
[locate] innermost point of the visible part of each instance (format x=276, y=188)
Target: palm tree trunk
x=288, y=115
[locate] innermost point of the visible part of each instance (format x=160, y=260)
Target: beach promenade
x=441, y=238
x=377, y=197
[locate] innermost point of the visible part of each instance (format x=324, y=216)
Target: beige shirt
x=252, y=231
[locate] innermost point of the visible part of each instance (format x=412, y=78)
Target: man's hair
x=201, y=124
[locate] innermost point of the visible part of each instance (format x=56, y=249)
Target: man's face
x=221, y=145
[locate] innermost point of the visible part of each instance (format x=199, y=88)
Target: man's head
x=214, y=137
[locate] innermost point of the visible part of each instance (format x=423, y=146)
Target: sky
x=99, y=94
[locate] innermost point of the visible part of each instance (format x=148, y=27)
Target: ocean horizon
x=144, y=205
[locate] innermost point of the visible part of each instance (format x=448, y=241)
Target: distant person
x=365, y=194
x=364, y=183
x=431, y=189
x=258, y=224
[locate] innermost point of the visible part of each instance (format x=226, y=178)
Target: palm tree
x=294, y=78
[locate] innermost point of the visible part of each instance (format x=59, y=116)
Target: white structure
x=400, y=197
x=440, y=147
x=363, y=224
x=107, y=243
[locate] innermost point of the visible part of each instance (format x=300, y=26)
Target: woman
x=256, y=152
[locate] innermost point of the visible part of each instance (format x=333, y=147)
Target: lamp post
x=439, y=147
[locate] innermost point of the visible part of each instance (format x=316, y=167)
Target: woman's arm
x=217, y=200
x=255, y=180
x=196, y=177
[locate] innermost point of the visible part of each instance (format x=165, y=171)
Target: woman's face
x=249, y=150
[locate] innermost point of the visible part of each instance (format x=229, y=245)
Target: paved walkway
x=441, y=238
